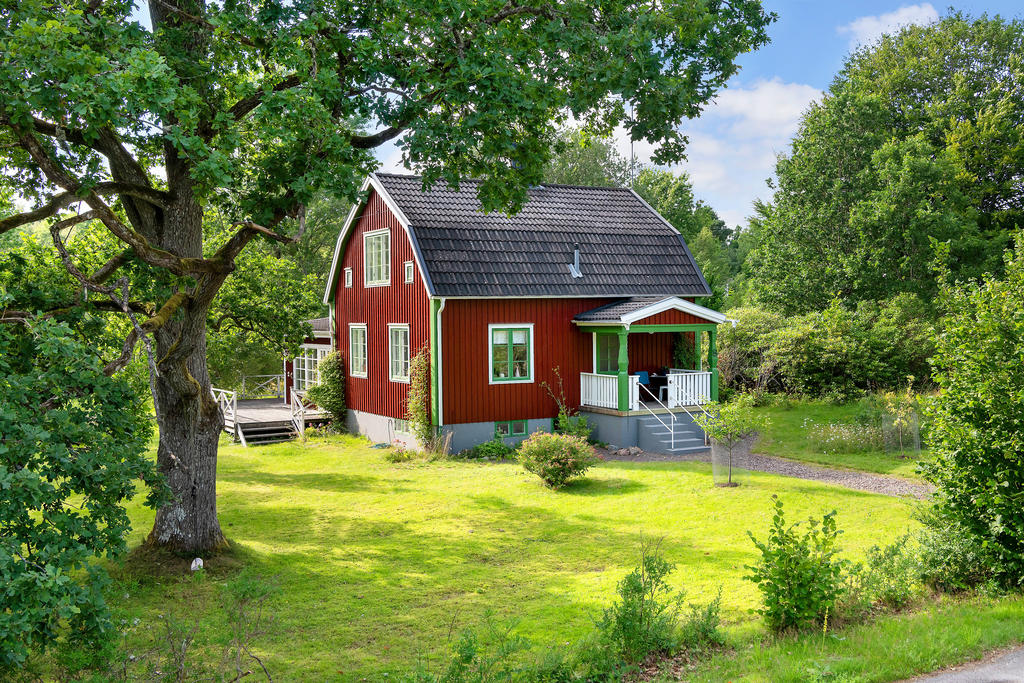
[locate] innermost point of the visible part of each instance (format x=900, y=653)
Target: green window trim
x=511, y=353
x=508, y=428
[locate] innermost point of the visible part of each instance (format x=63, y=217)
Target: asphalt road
x=1004, y=668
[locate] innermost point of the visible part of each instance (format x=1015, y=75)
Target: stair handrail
x=299, y=407
x=672, y=416
x=693, y=399
x=269, y=386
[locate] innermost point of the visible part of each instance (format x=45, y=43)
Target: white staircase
x=655, y=437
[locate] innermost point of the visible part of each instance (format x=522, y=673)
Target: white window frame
x=490, y=354
x=410, y=273
x=306, y=365
x=352, y=354
x=408, y=353
x=348, y=277
x=386, y=264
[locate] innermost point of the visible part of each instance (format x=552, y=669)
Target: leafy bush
x=700, y=627
x=72, y=454
x=952, y=558
x=799, y=575
x=977, y=420
x=329, y=392
x=646, y=615
x=565, y=421
x=495, y=449
x=888, y=578
x=835, y=353
x=556, y=458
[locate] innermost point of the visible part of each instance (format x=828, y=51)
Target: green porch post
x=713, y=362
x=696, y=350
x=623, y=369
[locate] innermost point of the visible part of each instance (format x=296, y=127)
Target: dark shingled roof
x=616, y=309
x=626, y=248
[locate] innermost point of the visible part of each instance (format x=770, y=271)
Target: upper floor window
x=357, y=350
x=348, y=277
x=511, y=353
x=398, y=352
x=377, y=257
x=409, y=271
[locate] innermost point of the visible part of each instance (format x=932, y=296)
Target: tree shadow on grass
x=603, y=486
x=324, y=481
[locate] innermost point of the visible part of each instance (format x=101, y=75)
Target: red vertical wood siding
x=557, y=342
x=377, y=307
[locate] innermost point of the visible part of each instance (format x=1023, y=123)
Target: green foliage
x=582, y=158
x=556, y=458
x=700, y=625
x=566, y=422
x=329, y=392
x=72, y=454
x=889, y=578
x=643, y=620
x=977, y=419
x=493, y=658
x=835, y=353
x=917, y=138
x=730, y=423
x=799, y=574
x=953, y=559
x=418, y=401
x=495, y=449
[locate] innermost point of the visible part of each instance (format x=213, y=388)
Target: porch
x=682, y=389
x=253, y=421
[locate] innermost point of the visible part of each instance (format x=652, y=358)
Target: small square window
x=502, y=429
x=408, y=272
x=348, y=277
x=510, y=428
x=519, y=428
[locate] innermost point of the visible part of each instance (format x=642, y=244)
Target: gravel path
x=744, y=459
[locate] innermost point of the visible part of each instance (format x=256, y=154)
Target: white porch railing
x=227, y=401
x=263, y=386
x=300, y=406
x=688, y=388
x=599, y=390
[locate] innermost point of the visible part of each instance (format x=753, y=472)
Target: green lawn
x=376, y=561
x=787, y=437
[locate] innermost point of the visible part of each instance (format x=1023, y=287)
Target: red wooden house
x=587, y=282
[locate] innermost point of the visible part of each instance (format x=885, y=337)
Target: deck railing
x=599, y=390
x=300, y=407
x=688, y=388
x=262, y=386
x=227, y=401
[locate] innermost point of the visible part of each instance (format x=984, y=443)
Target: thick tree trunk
x=189, y=419
x=190, y=426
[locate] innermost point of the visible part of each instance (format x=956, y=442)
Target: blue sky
x=733, y=145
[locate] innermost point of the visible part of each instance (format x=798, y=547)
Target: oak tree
x=247, y=108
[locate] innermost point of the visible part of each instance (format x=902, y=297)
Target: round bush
x=556, y=458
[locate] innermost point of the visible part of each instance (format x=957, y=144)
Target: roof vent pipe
x=574, y=267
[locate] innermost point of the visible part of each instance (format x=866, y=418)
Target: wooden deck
x=266, y=420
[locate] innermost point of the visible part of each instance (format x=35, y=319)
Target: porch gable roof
x=635, y=309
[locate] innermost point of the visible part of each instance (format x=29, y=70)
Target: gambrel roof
x=626, y=248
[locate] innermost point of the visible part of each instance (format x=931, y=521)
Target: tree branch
x=63, y=200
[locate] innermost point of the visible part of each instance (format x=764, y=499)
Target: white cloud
x=391, y=160
x=866, y=30
x=733, y=145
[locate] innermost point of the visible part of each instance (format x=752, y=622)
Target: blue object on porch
x=644, y=377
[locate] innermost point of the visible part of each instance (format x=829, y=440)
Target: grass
x=891, y=648
x=787, y=437
x=377, y=563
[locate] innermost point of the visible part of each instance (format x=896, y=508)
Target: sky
x=733, y=145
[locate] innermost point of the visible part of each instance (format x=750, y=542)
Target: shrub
x=418, y=402
x=952, y=558
x=329, y=392
x=888, y=578
x=799, y=574
x=645, y=617
x=566, y=422
x=495, y=449
x=977, y=420
x=700, y=627
x=556, y=458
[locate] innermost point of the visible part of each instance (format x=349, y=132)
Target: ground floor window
x=510, y=428
x=357, y=350
x=398, y=352
x=306, y=365
x=511, y=353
